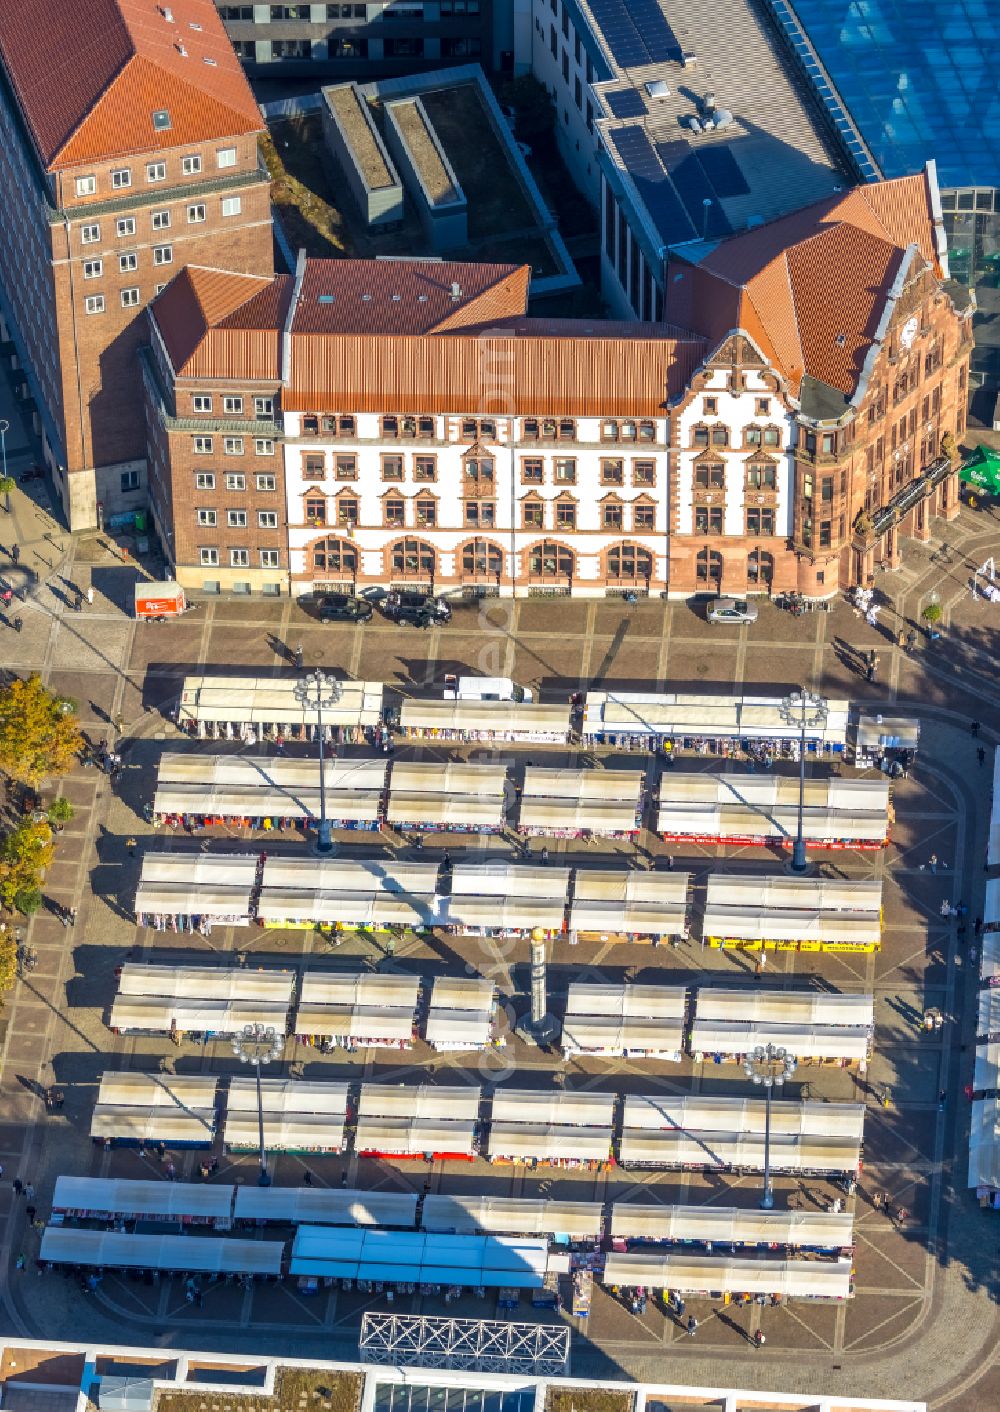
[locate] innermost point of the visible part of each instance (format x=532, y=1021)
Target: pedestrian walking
x=78, y=602
x=878, y=1200
x=975, y=728
x=692, y=1326
x=981, y=756
x=911, y=640
x=544, y=855
x=18, y=1186
x=932, y=863
x=72, y=916
x=18, y=624
x=90, y=595
x=761, y=963
x=307, y=1177
x=131, y=845
x=299, y=659
x=15, y=553
x=758, y=1339
x=31, y=1212
x=20, y=1263
x=29, y=1191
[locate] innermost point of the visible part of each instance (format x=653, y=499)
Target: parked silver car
x=732, y=610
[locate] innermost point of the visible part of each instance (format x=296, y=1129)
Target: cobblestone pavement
x=917, y=1284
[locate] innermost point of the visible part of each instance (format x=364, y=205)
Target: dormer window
x=161, y=120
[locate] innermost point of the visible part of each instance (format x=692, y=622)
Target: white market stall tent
x=993, y=846
x=300, y=1115
x=200, y=999
x=730, y=1022
x=506, y=898
x=632, y=904
x=792, y=914
x=558, y=1129
x=347, y=894
x=984, y=1151
x=325, y=1206
x=407, y=1120
x=419, y=1258
x=642, y=1021
x=176, y=1109
x=711, y=1225
x=456, y=797
x=643, y=720
x=988, y=1023
x=513, y=1215
x=706, y=1275
x=258, y=708
x=194, y=891
x=190, y=1203
x=528, y=722
x=763, y=808
x=581, y=803
x=188, y=1254
x=461, y=1013
x=266, y=791
x=879, y=736
x=986, y=1074
x=357, y=1009
x=989, y=957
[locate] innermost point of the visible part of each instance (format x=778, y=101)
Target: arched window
x=550, y=560
x=412, y=556
x=708, y=566
x=630, y=562
x=482, y=556
x=335, y=556
x=760, y=567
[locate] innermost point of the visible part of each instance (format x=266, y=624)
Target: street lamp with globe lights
x=769, y=1065
x=318, y=692
x=804, y=710
x=258, y=1044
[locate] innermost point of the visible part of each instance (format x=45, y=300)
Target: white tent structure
x=792, y=914
x=358, y=1009
x=707, y=1275
x=182, y=891
x=763, y=808
x=243, y=788
x=638, y=1021
x=730, y=1022
x=299, y=1115
x=512, y=1215
x=877, y=732
x=988, y=1023
x=214, y=707
x=407, y=1120
x=643, y=719
x=632, y=905
x=188, y=1254
x=348, y=893
x=325, y=1206
x=557, y=1128
x=528, y=722
x=460, y=1013
x=505, y=898
x=420, y=1258
x=986, y=1073
x=581, y=803
x=177, y=1109
x=711, y=1225
x=200, y=999
x=107, y=1198
x=993, y=847
x=984, y=1149
x=457, y=797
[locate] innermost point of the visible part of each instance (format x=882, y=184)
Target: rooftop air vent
x=366, y=298
x=181, y=50
x=396, y=298
x=421, y=298
x=194, y=24
x=167, y=14
x=657, y=88
x=689, y=60
x=213, y=63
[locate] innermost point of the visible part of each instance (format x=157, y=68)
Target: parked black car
x=337, y=607
x=422, y=610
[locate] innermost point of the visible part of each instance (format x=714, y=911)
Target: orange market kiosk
x=581, y=803
x=189, y=1255
x=792, y=914
x=202, y=1000
x=762, y=809
x=115, y=1199
x=984, y=1152
x=561, y=1221
x=425, y=1121
x=630, y=905
x=300, y=1115
x=194, y=892
x=428, y=796
x=731, y=1022
x=716, y=724
x=324, y=1206
x=524, y=722
x=506, y=899
x=707, y=1226
x=197, y=790
x=176, y=1109
x=727, y=1134
x=713, y=1275
x=633, y=1021
x=356, y=1010
x=461, y=1014
x=347, y=894
x=262, y=708
x=551, y=1129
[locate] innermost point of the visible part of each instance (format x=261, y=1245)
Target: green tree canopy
x=25, y=853
x=39, y=735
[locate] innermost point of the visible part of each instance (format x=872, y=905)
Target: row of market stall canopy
x=194, y=892
x=984, y=1132
x=582, y=1130
x=254, y=708
x=431, y=796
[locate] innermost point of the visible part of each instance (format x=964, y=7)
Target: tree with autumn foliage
x=39, y=734
x=25, y=853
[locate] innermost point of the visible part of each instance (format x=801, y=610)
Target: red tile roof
x=220, y=325
x=89, y=74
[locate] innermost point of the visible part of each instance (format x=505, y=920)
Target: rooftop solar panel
x=625, y=104
x=722, y=170
x=665, y=208
x=636, y=34
x=694, y=188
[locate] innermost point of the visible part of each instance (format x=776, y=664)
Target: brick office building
x=128, y=147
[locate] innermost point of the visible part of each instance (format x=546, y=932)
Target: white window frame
x=131, y=298
x=208, y=558
x=93, y=269
x=202, y=401
x=204, y=480
x=125, y=225
x=232, y=406
x=86, y=186
x=191, y=165
x=236, y=519
x=207, y=519
x=90, y=234
x=263, y=446
x=196, y=214
x=236, y=480
x=128, y=263
x=203, y=445
x=163, y=254
x=267, y=519
x=232, y=446
x=267, y=482
x=156, y=171
x=270, y=559
x=121, y=179
x=239, y=558
x=94, y=304
x=263, y=407
x=161, y=220
x=232, y=205
x=226, y=157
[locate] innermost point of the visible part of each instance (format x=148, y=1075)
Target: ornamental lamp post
x=768, y=1065
x=803, y=710
x=258, y=1044
x=319, y=692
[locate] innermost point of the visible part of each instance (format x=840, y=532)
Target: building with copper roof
x=405, y=422
x=128, y=147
